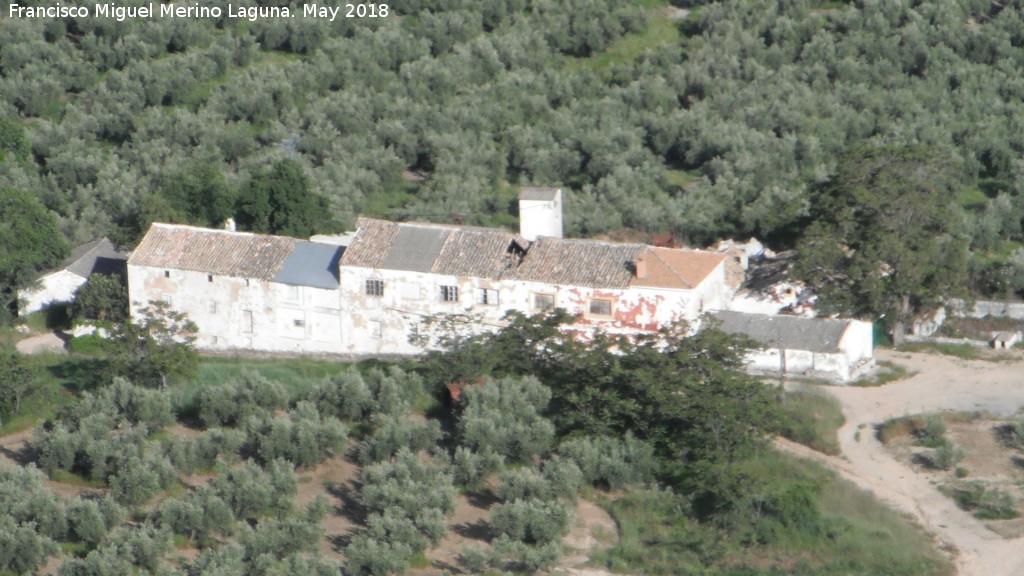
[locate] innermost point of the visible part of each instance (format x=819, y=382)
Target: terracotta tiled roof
x=671, y=268
x=435, y=248
x=222, y=252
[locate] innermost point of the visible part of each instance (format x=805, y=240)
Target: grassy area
x=297, y=375
x=962, y=351
x=660, y=31
x=853, y=534
x=679, y=178
x=812, y=418
x=972, y=198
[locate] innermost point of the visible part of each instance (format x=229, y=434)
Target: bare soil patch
x=987, y=461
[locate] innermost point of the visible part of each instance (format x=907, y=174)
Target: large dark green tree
x=886, y=238
x=29, y=242
x=157, y=349
x=280, y=201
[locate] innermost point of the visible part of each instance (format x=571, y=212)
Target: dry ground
x=939, y=383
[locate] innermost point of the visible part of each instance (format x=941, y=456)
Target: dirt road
x=940, y=383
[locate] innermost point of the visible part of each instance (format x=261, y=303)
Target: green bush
x=932, y=433
x=367, y=556
x=393, y=433
x=534, y=522
x=611, y=463
x=470, y=468
x=946, y=456
x=250, y=491
x=303, y=437
x=504, y=417
x=232, y=404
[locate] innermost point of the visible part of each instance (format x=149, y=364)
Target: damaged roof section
x=499, y=255
x=786, y=332
x=434, y=248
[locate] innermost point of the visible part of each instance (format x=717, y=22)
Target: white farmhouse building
x=394, y=275
x=835, y=349
x=59, y=285
x=274, y=294
x=244, y=291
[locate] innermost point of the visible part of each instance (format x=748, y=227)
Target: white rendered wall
x=245, y=314
x=58, y=286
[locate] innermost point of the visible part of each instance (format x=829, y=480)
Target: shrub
x=393, y=433
x=932, y=432
x=407, y=483
x=26, y=500
x=504, y=417
x=250, y=491
x=139, y=479
x=190, y=455
x=85, y=521
x=22, y=549
x=469, y=467
x=515, y=556
x=303, y=437
x=533, y=521
x=279, y=538
x=946, y=456
x=611, y=463
x=234, y=402
x=475, y=560
x=368, y=556
x=345, y=396
x=198, y=515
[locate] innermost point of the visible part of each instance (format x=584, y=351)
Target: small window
x=449, y=293
x=374, y=287
x=247, y=322
x=214, y=340
x=299, y=323
x=488, y=297
x=211, y=307
x=167, y=273
x=374, y=329
x=168, y=300
x=543, y=301
x=246, y=281
x=209, y=277
x=601, y=307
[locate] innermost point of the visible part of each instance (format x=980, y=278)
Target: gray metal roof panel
x=786, y=332
x=415, y=249
x=311, y=264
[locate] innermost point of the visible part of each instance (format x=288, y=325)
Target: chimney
x=540, y=213
x=229, y=225
x=640, y=265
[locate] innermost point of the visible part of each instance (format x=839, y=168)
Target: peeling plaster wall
x=58, y=286
x=382, y=324
x=245, y=314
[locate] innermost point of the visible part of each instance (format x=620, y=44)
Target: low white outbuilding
x=59, y=285
x=835, y=349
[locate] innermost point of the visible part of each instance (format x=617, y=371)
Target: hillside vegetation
x=731, y=121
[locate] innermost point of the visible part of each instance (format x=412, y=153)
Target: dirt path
x=940, y=383
x=42, y=343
